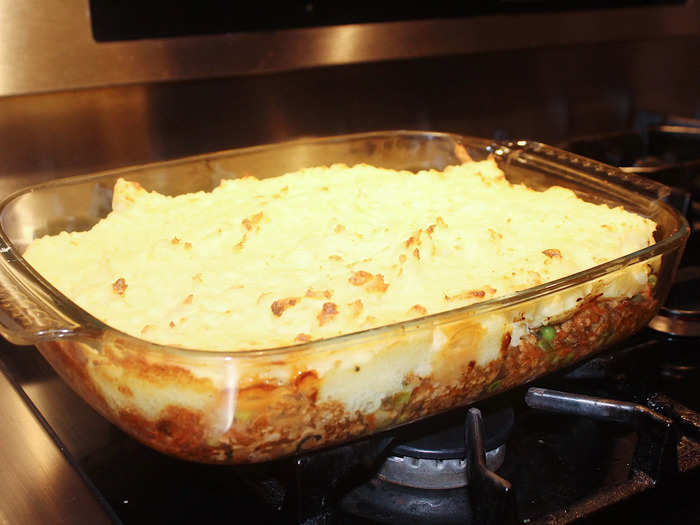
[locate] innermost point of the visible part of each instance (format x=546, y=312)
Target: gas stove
x=617, y=438
x=585, y=443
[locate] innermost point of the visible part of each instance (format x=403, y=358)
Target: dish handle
x=28, y=315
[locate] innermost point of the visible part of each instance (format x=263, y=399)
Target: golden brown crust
x=356, y=307
x=375, y=283
x=418, y=309
x=318, y=294
x=119, y=286
x=359, y=278
x=552, y=253
x=327, y=313
x=280, y=305
x=250, y=222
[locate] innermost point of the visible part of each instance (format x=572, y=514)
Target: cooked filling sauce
x=327, y=251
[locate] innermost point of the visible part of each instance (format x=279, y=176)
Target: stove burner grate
x=680, y=315
x=431, y=456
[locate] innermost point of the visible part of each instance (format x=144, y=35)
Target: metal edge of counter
x=39, y=481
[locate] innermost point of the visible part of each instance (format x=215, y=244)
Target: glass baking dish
x=252, y=406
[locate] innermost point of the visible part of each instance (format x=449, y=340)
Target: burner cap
x=680, y=315
x=434, y=473
x=442, y=437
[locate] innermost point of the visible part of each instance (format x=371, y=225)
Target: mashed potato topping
x=324, y=251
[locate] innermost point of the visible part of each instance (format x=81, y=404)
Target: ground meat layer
x=272, y=420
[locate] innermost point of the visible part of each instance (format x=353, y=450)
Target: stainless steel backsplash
x=546, y=94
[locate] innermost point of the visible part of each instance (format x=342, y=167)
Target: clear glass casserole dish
x=251, y=406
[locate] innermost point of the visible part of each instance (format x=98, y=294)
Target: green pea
x=547, y=333
x=401, y=398
x=652, y=280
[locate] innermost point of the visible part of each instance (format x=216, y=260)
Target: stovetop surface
x=553, y=461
